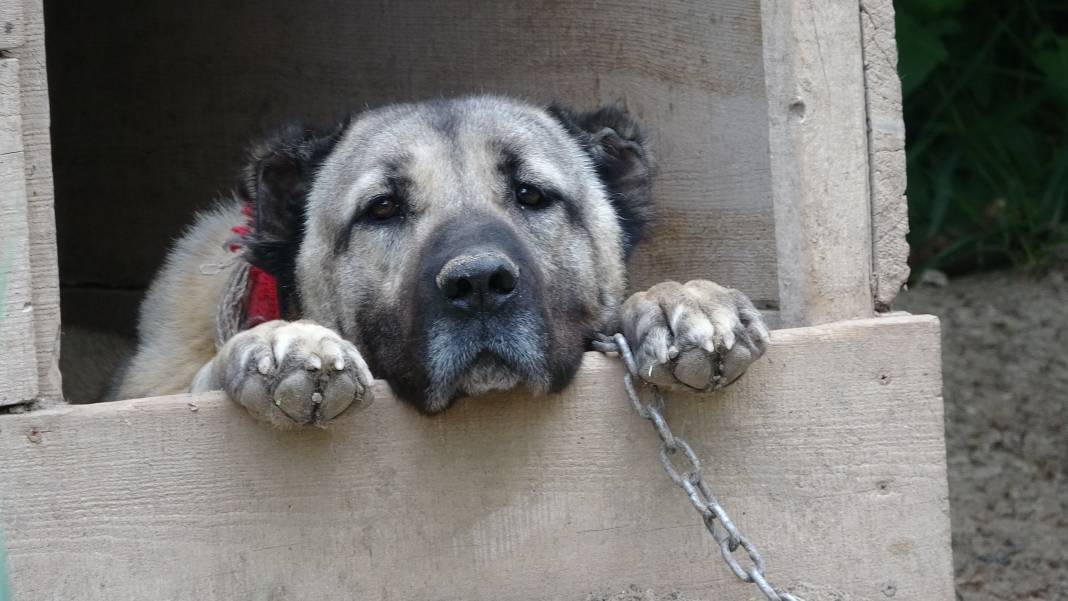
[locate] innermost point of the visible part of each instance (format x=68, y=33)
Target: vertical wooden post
x=28, y=224
x=18, y=359
x=819, y=159
x=886, y=152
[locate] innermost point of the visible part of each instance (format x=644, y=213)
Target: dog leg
x=697, y=336
x=289, y=373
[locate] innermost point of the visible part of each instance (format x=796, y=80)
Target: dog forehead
x=466, y=131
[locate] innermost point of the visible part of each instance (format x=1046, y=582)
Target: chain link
x=691, y=480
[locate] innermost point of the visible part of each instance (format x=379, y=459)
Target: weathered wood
x=18, y=368
x=11, y=28
x=40, y=214
x=10, y=120
x=819, y=159
x=886, y=152
x=829, y=454
x=692, y=71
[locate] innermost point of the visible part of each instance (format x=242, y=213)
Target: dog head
x=464, y=245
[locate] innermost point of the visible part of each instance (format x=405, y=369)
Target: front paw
x=697, y=336
x=293, y=373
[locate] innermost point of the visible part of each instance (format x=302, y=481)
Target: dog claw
x=294, y=374
x=696, y=336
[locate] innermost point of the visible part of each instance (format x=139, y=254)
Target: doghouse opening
x=153, y=103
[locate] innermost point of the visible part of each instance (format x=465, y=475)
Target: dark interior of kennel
x=153, y=102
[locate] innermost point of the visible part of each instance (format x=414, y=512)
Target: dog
x=450, y=247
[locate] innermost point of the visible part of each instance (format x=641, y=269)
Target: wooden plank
x=692, y=71
x=44, y=267
x=819, y=159
x=829, y=455
x=886, y=152
x=11, y=28
x=18, y=367
x=10, y=119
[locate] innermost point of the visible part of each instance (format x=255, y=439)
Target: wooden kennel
x=778, y=132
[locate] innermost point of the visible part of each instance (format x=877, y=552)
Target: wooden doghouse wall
x=153, y=102
x=29, y=299
x=828, y=454
x=769, y=115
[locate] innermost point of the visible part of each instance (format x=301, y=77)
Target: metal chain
x=691, y=480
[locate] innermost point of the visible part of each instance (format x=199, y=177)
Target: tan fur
x=176, y=330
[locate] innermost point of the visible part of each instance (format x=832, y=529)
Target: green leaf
x=919, y=51
x=1052, y=60
x=929, y=7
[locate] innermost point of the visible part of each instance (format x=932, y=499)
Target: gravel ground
x=1005, y=367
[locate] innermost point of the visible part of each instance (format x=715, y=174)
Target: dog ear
x=277, y=179
x=275, y=184
x=617, y=146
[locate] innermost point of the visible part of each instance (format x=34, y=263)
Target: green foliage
x=985, y=89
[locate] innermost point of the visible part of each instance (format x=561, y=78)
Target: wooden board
x=18, y=367
x=11, y=29
x=829, y=454
x=819, y=159
x=886, y=152
x=204, y=76
x=40, y=214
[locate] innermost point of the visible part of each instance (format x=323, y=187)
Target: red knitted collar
x=262, y=302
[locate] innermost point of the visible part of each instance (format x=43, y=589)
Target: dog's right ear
x=276, y=183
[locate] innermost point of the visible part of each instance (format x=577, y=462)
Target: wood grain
x=886, y=152
x=18, y=367
x=203, y=77
x=829, y=454
x=40, y=213
x=11, y=27
x=819, y=159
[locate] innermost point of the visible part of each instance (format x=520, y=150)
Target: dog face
x=464, y=246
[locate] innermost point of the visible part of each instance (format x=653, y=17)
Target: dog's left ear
x=617, y=146
x=276, y=182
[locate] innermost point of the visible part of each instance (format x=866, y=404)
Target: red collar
x=262, y=303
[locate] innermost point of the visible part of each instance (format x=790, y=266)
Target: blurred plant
x=985, y=88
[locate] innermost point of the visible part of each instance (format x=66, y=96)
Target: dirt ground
x=1005, y=359
x=1005, y=368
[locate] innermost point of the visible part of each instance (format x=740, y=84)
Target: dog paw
x=696, y=336
x=293, y=373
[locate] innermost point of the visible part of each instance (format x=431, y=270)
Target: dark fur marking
x=618, y=149
x=396, y=337
x=277, y=180
x=445, y=121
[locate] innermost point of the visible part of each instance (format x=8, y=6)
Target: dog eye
x=529, y=196
x=383, y=208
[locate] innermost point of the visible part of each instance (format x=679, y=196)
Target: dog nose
x=480, y=282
